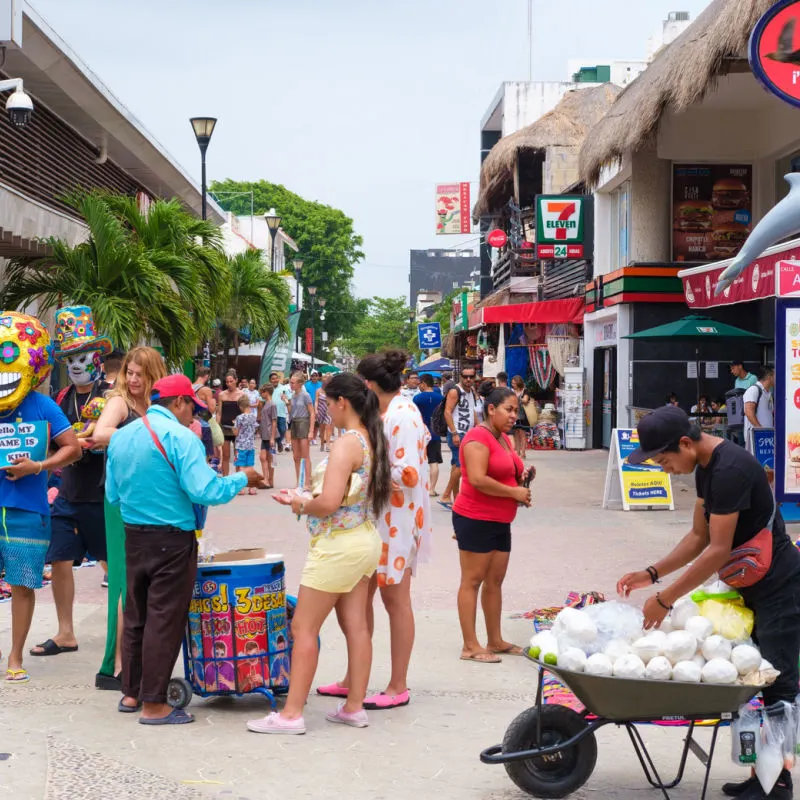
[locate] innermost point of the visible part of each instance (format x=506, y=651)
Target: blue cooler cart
x=238, y=638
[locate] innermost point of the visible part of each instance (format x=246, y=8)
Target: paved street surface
x=61, y=738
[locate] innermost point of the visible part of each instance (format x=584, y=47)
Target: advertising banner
x=763, y=448
x=711, y=210
x=20, y=440
x=452, y=208
x=277, y=355
x=644, y=486
x=787, y=398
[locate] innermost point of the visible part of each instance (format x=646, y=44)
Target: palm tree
x=158, y=277
x=258, y=301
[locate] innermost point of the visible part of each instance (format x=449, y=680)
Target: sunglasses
x=468, y=377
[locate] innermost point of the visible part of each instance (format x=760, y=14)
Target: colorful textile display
x=516, y=356
x=541, y=365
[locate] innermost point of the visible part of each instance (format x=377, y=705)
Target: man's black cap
x=737, y=363
x=658, y=430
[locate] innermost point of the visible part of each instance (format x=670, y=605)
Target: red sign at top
x=496, y=238
x=774, y=50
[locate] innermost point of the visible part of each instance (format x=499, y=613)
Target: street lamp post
x=203, y=128
x=312, y=291
x=298, y=270
x=273, y=223
x=321, y=302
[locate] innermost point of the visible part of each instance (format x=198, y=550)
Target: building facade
x=440, y=271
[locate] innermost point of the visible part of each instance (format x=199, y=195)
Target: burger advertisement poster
x=711, y=210
x=791, y=401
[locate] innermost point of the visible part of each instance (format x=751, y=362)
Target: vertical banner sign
x=763, y=440
x=452, y=208
x=787, y=402
x=277, y=355
x=559, y=226
x=642, y=486
x=309, y=339
x=711, y=210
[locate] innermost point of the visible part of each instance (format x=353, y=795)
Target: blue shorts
x=24, y=537
x=245, y=458
x=282, y=424
x=454, y=459
x=78, y=529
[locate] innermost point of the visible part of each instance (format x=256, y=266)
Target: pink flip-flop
x=333, y=690
x=384, y=701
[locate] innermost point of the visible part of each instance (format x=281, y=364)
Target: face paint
x=83, y=368
x=26, y=357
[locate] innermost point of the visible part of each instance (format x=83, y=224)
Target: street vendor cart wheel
x=557, y=774
x=179, y=692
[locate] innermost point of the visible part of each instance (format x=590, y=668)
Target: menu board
x=791, y=400
x=711, y=210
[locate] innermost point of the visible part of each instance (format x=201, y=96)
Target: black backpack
x=438, y=422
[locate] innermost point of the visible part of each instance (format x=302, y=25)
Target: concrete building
x=440, y=271
x=427, y=300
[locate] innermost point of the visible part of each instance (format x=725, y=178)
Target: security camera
x=20, y=108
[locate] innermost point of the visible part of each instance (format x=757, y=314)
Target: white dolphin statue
x=778, y=223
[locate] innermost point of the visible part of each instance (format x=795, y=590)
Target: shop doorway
x=604, y=401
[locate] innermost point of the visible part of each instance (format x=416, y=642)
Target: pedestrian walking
x=268, y=428
x=244, y=428
x=25, y=365
x=411, y=388
x=78, y=523
x=427, y=401
x=404, y=526
x=494, y=481
x=126, y=402
x=282, y=396
x=156, y=471
x=758, y=406
x=460, y=416
x=253, y=394
x=301, y=425
x=323, y=417
x=227, y=412
x=521, y=427
x=344, y=553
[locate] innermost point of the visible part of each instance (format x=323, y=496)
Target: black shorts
x=435, y=452
x=266, y=444
x=481, y=536
x=77, y=529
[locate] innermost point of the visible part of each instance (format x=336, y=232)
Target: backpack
x=438, y=422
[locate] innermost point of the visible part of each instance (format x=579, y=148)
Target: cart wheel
x=558, y=774
x=179, y=693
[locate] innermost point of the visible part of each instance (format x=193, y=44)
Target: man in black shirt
x=735, y=503
x=78, y=521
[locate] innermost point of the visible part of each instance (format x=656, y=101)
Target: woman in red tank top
x=494, y=481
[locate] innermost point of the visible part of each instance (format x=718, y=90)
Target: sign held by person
x=20, y=440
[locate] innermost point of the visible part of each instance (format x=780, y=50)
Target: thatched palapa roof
x=679, y=77
x=566, y=125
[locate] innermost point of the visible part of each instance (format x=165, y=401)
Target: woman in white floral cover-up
x=404, y=527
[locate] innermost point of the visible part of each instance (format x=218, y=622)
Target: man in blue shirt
x=744, y=379
x=313, y=386
x=427, y=401
x=156, y=473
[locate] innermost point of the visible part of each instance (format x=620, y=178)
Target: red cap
x=176, y=386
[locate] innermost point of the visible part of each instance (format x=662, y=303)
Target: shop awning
x=544, y=311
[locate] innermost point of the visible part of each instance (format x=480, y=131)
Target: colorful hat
x=75, y=333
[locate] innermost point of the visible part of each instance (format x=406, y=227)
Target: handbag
x=200, y=511
x=751, y=561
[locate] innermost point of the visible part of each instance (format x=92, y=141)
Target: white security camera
x=20, y=108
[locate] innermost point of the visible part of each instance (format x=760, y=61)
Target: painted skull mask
x=84, y=368
x=26, y=357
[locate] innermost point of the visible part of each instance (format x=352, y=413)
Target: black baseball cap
x=737, y=363
x=659, y=430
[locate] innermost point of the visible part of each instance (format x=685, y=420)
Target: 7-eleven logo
x=560, y=219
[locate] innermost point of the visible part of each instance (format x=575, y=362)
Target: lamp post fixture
x=203, y=128
x=312, y=291
x=298, y=270
x=273, y=223
x=321, y=302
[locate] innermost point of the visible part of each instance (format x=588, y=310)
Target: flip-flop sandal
x=385, y=701
x=50, y=648
x=443, y=504
x=175, y=717
x=514, y=650
x=129, y=709
x=482, y=658
x=17, y=676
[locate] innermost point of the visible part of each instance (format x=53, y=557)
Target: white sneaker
x=357, y=719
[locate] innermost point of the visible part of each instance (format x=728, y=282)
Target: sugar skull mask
x=84, y=368
x=77, y=344
x=26, y=357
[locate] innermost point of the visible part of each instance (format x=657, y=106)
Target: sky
x=360, y=104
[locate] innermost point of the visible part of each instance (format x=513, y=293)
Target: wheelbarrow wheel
x=179, y=693
x=558, y=774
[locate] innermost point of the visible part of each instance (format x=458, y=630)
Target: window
x=620, y=226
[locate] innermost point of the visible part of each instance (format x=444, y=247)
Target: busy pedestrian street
x=70, y=742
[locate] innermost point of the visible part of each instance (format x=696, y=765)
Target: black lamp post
x=203, y=128
x=273, y=223
x=312, y=291
x=321, y=302
x=298, y=270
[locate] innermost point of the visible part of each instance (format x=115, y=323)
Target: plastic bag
x=613, y=620
x=746, y=736
x=769, y=763
x=733, y=621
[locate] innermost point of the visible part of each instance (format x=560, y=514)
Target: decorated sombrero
x=75, y=333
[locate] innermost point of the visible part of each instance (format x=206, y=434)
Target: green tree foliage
x=328, y=246
x=385, y=324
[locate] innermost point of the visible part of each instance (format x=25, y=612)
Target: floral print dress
x=405, y=527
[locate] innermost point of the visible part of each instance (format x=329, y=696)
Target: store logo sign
x=559, y=226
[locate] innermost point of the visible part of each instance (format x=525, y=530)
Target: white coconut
x=745, y=658
x=629, y=666
x=700, y=627
x=617, y=648
x=686, y=672
x=716, y=646
x=718, y=670
x=679, y=646
x=646, y=648
x=573, y=659
x=598, y=664
x=659, y=669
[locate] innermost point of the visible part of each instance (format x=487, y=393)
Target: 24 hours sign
x=559, y=226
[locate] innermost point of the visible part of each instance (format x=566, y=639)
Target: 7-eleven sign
x=559, y=226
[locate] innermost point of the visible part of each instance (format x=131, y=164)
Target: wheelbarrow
x=550, y=751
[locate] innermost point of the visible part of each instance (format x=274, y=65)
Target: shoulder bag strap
x=157, y=442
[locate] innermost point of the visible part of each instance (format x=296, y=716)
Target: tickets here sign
x=20, y=440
